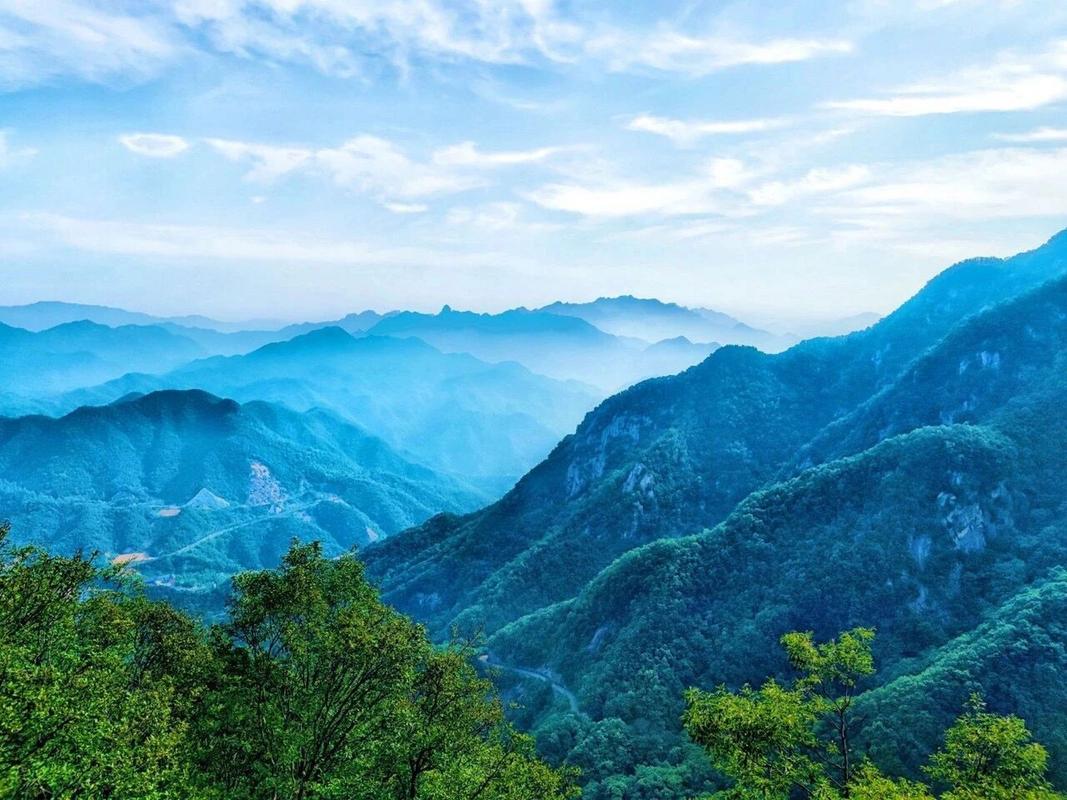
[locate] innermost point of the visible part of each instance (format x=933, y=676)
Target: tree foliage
x=780, y=742
x=312, y=689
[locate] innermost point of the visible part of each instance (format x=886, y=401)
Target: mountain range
x=484, y=423
x=559, y=346
x=653, y=321
x=906, y=477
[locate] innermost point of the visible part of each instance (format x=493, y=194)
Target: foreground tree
x=95, y=682
x=314, y=689
x=326, y=692
x=782, y=742
x=990, y=757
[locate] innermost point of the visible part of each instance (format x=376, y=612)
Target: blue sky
x=305, y=158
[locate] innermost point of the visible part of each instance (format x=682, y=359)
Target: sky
x=302, y=159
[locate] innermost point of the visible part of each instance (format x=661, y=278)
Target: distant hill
x=83, y=353
x=49, y=313
x=192, y=488
x=654, y=320
x=482, y=422
x=560, y=346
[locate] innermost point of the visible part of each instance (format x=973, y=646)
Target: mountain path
x=541, y=675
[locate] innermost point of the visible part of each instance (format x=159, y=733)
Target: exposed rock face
x=206, y=500
x=264, y=489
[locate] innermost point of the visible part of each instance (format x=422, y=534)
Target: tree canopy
x=312, y=689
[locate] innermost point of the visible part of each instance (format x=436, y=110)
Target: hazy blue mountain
x=484, y=422
x=214, y=336
x=49, y=313
x=674, y=355
x=556, y=345
x=193, y=487
x=653, y=320
x=357, y=322
x=84, y=353
x=917, y=530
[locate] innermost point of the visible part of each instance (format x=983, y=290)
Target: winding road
x=540, y=675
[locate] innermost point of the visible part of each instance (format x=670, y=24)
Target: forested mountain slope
x=922, y=535
x=674, y=455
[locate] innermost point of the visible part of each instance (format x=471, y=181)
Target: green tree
x=778, y=743
x=325, y=692
x=94, y=690
x=990, y=757
x=314, y=689
x=768, y=740
x=830, y=673
x=760, y=738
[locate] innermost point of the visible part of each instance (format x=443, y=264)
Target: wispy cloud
x=382, y=168
x=154, y=145
x=41, y=40
x=1037, y=135
x=723, y=187
x=364, y=163
x=467, y=154
x=333, y=36
x=669, y=50
x=688, y=132
x=130, y=41
x=131, y=238
x=814, y=182
x=1013, y=83
x=268, y=162
x=999, y=183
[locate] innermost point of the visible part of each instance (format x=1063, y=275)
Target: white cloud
x=269, y=162
x=1014, y=83
x=709, y=191
x=129, y=41
x=669, y=50
x=1037, y=135
x=496, y=217
x=154, y=145
x=466, y=154
x=380, y=168
x=724, y=187
x=1000, y=183
x=333, y=35
x=687, y=132
x=406, y=208
x=41, y=40
x=814, y=182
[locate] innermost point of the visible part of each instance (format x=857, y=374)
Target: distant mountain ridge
x=559, y=346
x=654, y=320
x=480, y=422
x=83, y=353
